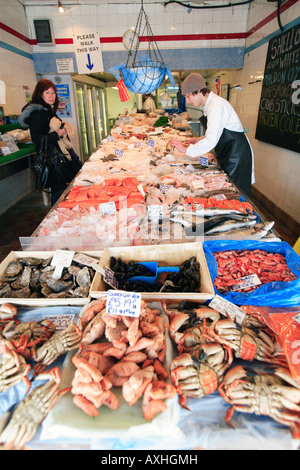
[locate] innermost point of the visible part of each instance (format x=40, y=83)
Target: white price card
x=119, y=153
x=155, y=213
x=247, y=281
x=107, y=208
x=84, y=259
x=228, y=309
x=61, y=259
x=204, y=161
x=60, y=321
x=151, y=143
x=123, y=303
x=165, y=187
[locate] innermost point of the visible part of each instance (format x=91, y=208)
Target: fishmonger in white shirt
x=224, y=133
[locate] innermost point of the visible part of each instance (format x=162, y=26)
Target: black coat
x=37, y=118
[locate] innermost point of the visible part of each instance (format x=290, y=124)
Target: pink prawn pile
x=132, y=357
x=236, y=264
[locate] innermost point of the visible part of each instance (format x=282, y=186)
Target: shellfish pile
x=31, y=277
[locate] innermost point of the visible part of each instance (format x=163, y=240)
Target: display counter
x=16, y=171
x=164, y=209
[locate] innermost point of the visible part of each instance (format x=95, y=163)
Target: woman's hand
x=61, y=132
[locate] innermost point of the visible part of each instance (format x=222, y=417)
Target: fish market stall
x=175, y=355
x=166, y=198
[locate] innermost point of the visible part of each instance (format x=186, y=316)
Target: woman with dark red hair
x=37, y=115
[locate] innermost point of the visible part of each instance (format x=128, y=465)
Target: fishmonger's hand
x=179, y=145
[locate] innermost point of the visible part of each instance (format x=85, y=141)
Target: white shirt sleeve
x=220, y=115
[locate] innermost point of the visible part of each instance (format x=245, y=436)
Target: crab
x=186, y=329
x=200, y=374
x=61, y=342
x=13, y=367
x=28, y=415
x=26, y=335
x=248, y=343
x=272, y=392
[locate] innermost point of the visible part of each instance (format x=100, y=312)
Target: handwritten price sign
x=123, y=303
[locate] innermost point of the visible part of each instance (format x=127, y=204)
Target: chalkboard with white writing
x=278, y=121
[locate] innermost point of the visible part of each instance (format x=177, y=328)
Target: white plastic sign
x=61, y=259
x=228, y=309
x=107, y=208
x=123, y=303
x=247, y=281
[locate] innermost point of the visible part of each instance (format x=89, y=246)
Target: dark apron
x=235, y=158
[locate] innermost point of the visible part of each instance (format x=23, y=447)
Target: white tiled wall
x=277, y=170
x=16, y=70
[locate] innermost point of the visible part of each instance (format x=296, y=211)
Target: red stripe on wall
x=180, y=37
x=33, y=42
x=271, y=17
x=14, y=32
x=175, y=37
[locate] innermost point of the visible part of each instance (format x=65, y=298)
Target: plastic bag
x=276, y=294
x=287, y=331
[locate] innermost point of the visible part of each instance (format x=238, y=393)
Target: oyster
x=31, y=261
x=32, y=277
x=12, y=270
x=59, y=285
x=83, y=278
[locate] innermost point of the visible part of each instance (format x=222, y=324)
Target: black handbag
x=52, y=168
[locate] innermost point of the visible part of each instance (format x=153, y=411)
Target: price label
x=138, y=144
x=108, y=275
x=227, y=308
x=155, y=213
x=107, y=208
x=204, y=161
x=86, y=260
x=118, y=130
x=165, y=187
x=60, y=321
x=220, y=197
x=247, y=281
x=151, y=143
x=123, y=303
x=119, y=153
x=110, y=138
x=61, y=259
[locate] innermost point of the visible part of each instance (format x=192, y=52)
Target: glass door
x=82, y=121
x=92, y=120
x=94, y=134
x=101, y=112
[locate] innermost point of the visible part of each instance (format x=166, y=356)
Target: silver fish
x=230, y=225
x=255, y=232
x=212, y=211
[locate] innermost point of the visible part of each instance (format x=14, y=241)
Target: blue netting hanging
x=143, y=73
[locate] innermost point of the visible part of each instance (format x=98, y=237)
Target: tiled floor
x=22, y=219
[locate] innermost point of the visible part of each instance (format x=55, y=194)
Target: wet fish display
x=160, y=180
x=33, y=278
